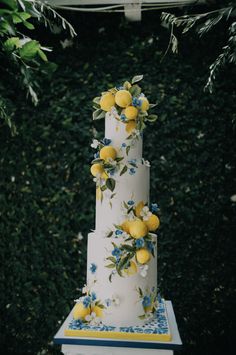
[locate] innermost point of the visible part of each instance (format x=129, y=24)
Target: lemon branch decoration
x=128, y=104
x=135, y=246
x=149, y=301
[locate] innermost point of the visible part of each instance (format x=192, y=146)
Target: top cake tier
x=127, y=146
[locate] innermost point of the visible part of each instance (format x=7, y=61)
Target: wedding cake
x=121, y=289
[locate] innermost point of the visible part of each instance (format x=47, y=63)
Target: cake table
x=99, y=346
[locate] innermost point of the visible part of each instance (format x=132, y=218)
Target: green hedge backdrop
x=47, y=195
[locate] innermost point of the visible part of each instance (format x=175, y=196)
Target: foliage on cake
x=127, y=103
x=106, y=164
x=149, y=300
x=133, y=244
x=88, y=308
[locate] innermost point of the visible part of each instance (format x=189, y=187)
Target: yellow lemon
x=132, y=269
x=125, y=226
x=152, y=223
x=98, y=194
x=104, y=175
x=143, y=256
x=98, y=311
x=130, y=126
x=123, y=98
x=131, y=112
x=139, y=208
x=107, y=101
x=108, y=152
x=144, y=104
x=148, y=308
x=138, y=229
x=80, y=312
x=96, y=169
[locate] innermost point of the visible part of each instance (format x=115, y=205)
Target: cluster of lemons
x=106, y=153
x=123, y=99
x=81, y=312
x=137, y=229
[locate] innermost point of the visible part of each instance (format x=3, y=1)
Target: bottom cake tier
x=126, y=297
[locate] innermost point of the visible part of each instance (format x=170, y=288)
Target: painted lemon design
x=152, y=223
x=107, y=101
x=139, y=208
x=125, y=226
x=138, y=229
x=96, y=169
x=132, y=269
x=123, y=98
x=148, y=308
x=131, y=112
x=98, y=193
x=80, y=312
x=143, y=256
x=144, y=103
x=108, y=152
x=130, y=126
x=98, y=311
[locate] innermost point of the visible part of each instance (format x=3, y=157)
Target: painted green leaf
x=123, y=171
x=111, y=184
x=110, y=266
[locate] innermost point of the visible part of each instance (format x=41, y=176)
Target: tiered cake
x=121, y=288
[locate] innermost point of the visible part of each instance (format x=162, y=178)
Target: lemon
x=148, y=308
x=98, y=311
x=130, y=126
x=108, y=152
x=80, y=312
x=132, y=269
x=96, y=169
x=125, y=226
x=98, y=193
x=144, y=104
x=123, y=98
x=143, y=256
x=107, y=101
x=138, y=229
x=104, y=175
x=139, y=208
x=152, y=223
x=131, y=112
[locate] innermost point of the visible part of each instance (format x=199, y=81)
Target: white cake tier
x=126, y=312
x=128, y=187
x=116, y=131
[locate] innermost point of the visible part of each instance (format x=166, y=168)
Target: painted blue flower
x=139, y=243
x=122, y=117
x=87, y=301
x=118, y=232
x=120, y=87
x=123, y=145
x=93, y=296
x=112, y=172
x=106, y=141
x=132, y=171
x=136, y=102
x=154, y=207
x=96, y=155
x=116, y=252
x=108, y=302
x=130, y=202
x=146, y=301
x=93, y=268
x=150, y=246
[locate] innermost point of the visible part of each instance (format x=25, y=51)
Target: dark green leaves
x=123, y=171
x=110, y=184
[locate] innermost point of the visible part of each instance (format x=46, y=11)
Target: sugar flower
x=143, y=270
x=93, y=319
x=154, y=207
x=145, y=213
x=106, y=141
x=130, y=203
x=146, y=302
x=139, y=243
x=95, y=144
x=86, y=301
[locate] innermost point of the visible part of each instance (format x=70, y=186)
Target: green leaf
x=29, y=50
x=128, y=149
x=28, y=25
x=112, y=259
x=98, y=114
x=96, y=100
x=151, y=118
x=97, y=161
x=42, y=55
x=135, y=90
x=123, y=263
x=140, y=292
x=126, y=85
x=123, y=171
x=136, y=79
x=11, y=43
x=143, y=316
x=111, y=184
x=19, y=17
x=110, y=266
x=152, y=105
x=127, y=247
x=109, y=235
x=119, y=159
x=103, y=188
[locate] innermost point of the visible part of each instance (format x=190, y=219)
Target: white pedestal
x=94, y=346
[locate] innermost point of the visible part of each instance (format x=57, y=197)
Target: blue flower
x=123, y=145
x=96, y=155
x=146, y=301
x=93, y=296
x=132, y=171
x=139, y=243
x=93, y=268
x=112, y=172
x=118, y=232
x=136, y=102
x=120, y=87
x=122, y=117
x=116, y=252
x=130, y=202
x=87, y=301
x=150, y=246
x=108, y=302
x=154, y=207
x=106, y=141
